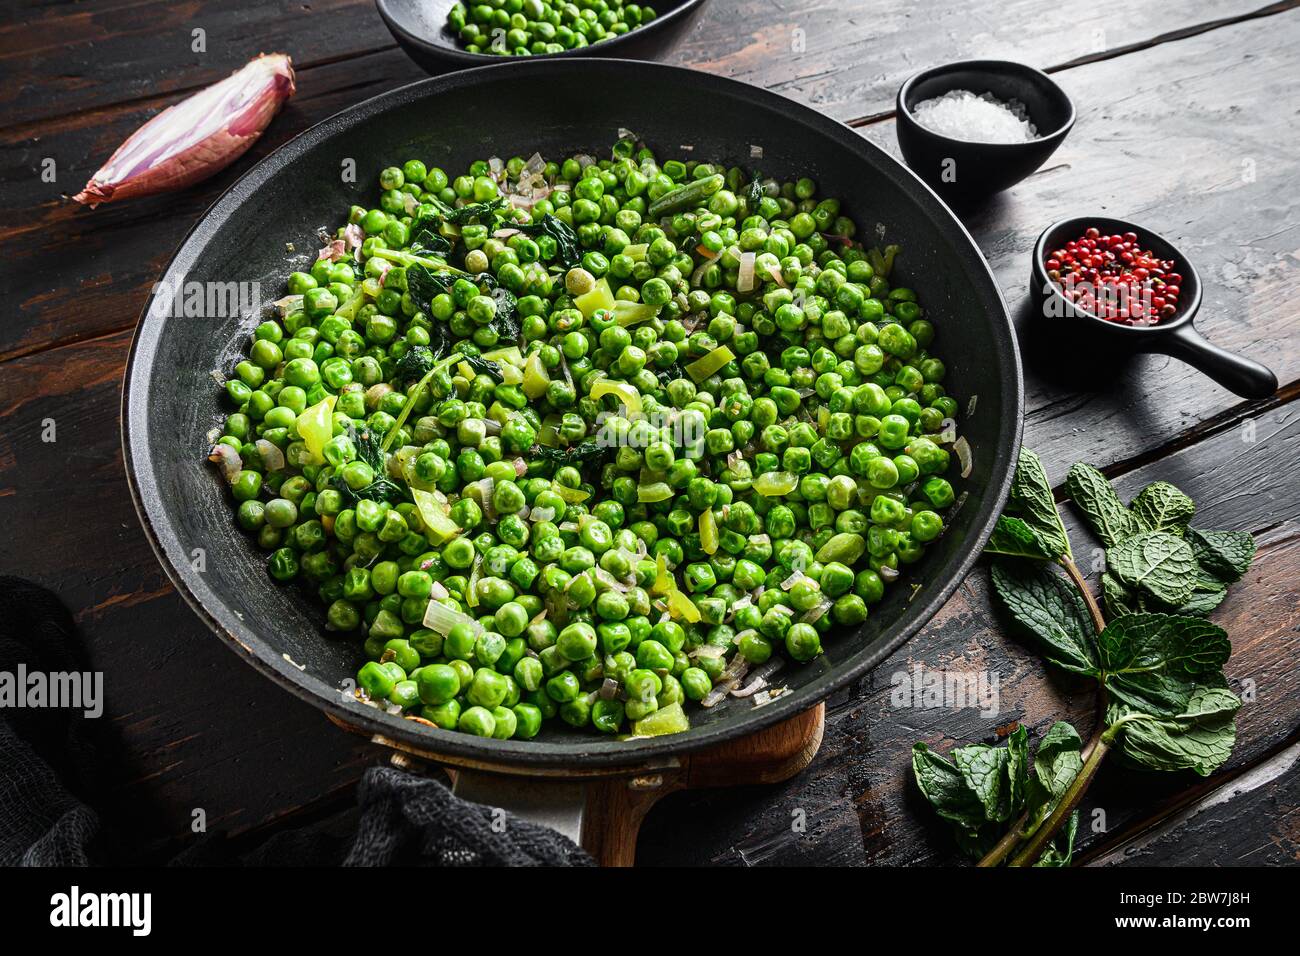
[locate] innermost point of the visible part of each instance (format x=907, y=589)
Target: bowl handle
x=1236, y=373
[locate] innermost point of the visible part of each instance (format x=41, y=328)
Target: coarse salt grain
x=982, y=118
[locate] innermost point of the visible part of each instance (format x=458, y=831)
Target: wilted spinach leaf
x=589, y=450
x=486, y=212
x=426, y=240
x=484, y=366
x=414, y=364
x=506, y=323
x=568, y=251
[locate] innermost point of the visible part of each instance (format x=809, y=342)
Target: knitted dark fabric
x=44, y=752
x=48, y=768
x=409, y=820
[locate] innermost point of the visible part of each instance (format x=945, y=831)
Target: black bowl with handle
x=171, y=403
x=420, y=28
x=1175, y=336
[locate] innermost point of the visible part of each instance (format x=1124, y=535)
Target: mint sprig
x=1162, y=699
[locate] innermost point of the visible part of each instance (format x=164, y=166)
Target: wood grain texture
x=73, y=273
x=76, y=58
x=848, y=60
x=1253, y=820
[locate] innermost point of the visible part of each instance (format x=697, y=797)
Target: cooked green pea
x=494, y=483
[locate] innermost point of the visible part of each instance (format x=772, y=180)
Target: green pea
x=803, y=643
x=477, y=720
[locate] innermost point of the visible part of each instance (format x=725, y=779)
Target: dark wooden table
x=1186, y=123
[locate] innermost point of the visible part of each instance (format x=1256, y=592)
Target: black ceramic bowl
x=170, y=401
x=420, y=28
x=1176, y=336
x=962, y=171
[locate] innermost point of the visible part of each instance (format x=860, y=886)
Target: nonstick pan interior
x=171, y=401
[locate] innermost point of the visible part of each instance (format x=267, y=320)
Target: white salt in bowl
x=965, y=170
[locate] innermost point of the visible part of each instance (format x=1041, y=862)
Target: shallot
x=197, y=137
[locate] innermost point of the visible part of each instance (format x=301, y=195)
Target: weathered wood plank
x=73, y=58
x=857, y=798
x=1249, y=821
x=847, y=60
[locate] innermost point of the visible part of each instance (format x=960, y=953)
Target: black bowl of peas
x=452, y=34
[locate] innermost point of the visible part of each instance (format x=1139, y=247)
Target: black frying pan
x=170, y=401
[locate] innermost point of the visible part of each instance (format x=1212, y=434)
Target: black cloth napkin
x=50, y=764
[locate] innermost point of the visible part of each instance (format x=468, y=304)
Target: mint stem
x=1069, y=802
x=1093, y=608
x=1008, y=843
x=1011, y=839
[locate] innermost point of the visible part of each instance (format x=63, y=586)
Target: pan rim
x=594, y=752
x=464, y=59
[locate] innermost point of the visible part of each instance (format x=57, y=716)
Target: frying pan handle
x=1236, y=373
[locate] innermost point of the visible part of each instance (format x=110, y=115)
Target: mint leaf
x=1048, y=606
x=1162, y=507
x=984, y=769
x=1208, y=593
x=1060, y=851
x=1199, y=738
x=1018, y=768
x=1057, y=762
x=1031, y=499
x=980, y=788
x=1226, y=554
x=1101, y=508
x=1058, y=759
x=946, y=789
x=977, y=841
x=1153, y=662
x=1205, y=581
x=1201, y=603
x=1159, y=563
x=1013, y=538
x=1118, y=600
